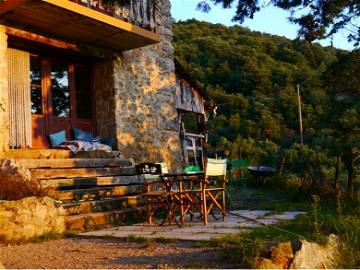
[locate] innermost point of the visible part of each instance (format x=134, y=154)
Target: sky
x=269, y=20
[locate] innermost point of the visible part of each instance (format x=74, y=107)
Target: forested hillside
x=253, y=76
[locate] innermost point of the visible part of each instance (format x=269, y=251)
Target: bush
x=16, y=183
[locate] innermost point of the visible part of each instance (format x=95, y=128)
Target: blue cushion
x=57, y=138
x=81, y=135
x=107, y=141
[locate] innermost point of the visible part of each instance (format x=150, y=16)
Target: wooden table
x=181, y=190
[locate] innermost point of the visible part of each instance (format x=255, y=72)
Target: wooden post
x=300, y=114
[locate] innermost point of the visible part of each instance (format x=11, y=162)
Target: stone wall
x=145, y=99
x=30, y=217
x=4, y=111
x=104, y=93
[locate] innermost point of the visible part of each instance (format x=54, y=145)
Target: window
x=83, y=92
x=60, y=88
x=35, y=85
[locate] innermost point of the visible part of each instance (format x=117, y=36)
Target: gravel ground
x=83, y=253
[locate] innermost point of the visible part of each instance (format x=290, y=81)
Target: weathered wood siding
x=187, y=98
x=138, y=12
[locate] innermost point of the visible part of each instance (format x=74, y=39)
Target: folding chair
x=154, y=194
x=213, y=190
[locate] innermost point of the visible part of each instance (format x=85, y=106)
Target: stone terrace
x=239, y=221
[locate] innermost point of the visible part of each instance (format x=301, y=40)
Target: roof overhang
x=68, y=21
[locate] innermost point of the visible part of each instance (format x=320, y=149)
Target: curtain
x=19, y=98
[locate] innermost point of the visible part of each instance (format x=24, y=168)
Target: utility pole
x=300, y=114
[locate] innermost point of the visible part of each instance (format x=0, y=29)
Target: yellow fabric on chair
x=214, y=196
x=216, y=167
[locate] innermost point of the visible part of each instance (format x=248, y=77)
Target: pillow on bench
x=81, y=135
x=57, y=138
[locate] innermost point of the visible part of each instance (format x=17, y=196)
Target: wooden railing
x=137, y=12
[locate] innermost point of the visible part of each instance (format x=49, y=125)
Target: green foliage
x=252, y=78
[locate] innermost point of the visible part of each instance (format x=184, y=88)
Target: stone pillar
x=4, y=94
x=145, y=99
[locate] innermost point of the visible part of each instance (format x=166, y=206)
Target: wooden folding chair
x=213, y=190
x=154, y=194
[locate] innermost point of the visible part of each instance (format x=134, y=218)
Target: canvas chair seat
x=214, y=191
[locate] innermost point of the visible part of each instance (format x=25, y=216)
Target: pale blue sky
x=269, y=20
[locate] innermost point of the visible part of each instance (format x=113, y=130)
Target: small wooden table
x=181, y=189
x=178, y=192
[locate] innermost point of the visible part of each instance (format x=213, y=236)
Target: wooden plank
x=36, y=154
x=62, y=19
x=74, y=163
x=92, y=181
x=103, y=192
x=85, y=222
x=6, y=6
x=41, y=39
x=118, y=203
x=81, y=172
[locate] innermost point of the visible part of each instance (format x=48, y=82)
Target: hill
x=252, y=76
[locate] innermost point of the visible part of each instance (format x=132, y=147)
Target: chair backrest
x=148, y=168
x=164, y=168
x=216, y=167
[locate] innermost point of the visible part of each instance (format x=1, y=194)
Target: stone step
x=39, y=174
x=65, y=183
x=74, y=163
x=98, y=192
x=108, y=204
x=94, y=221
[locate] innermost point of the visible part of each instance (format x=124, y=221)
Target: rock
x=301, y=255
x=312, y=255
x=282, y=255
x=30, y=217
x=264, y=263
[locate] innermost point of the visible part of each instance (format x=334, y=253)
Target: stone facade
x=104, y=93
x=4, y=109
x=135, y=97
x=145, y=99
x=30, y=217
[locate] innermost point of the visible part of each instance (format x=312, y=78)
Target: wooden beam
x=83, y=49
x=41, y=39
x=6, y=6
x=81, y=172
x=74, y=163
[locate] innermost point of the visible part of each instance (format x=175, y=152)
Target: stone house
x=102, y=68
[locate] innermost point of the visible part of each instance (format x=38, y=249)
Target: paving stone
x=195, y=230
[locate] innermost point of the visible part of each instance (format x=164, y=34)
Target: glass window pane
x=35, y=85
x=83, y=91
x=60, y=88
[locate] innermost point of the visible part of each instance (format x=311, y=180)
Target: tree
x=343, y=122
x=317, y=19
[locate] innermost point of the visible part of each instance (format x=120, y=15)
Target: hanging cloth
x=19, y=98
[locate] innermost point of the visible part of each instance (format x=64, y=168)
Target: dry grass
x=15, y=183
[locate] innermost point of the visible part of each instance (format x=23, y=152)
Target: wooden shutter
x=19, y=98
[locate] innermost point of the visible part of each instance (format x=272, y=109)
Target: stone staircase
x=95, y=192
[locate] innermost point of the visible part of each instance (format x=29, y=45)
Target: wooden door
x=59, y=109
x=58, y=102
x=38, y=102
